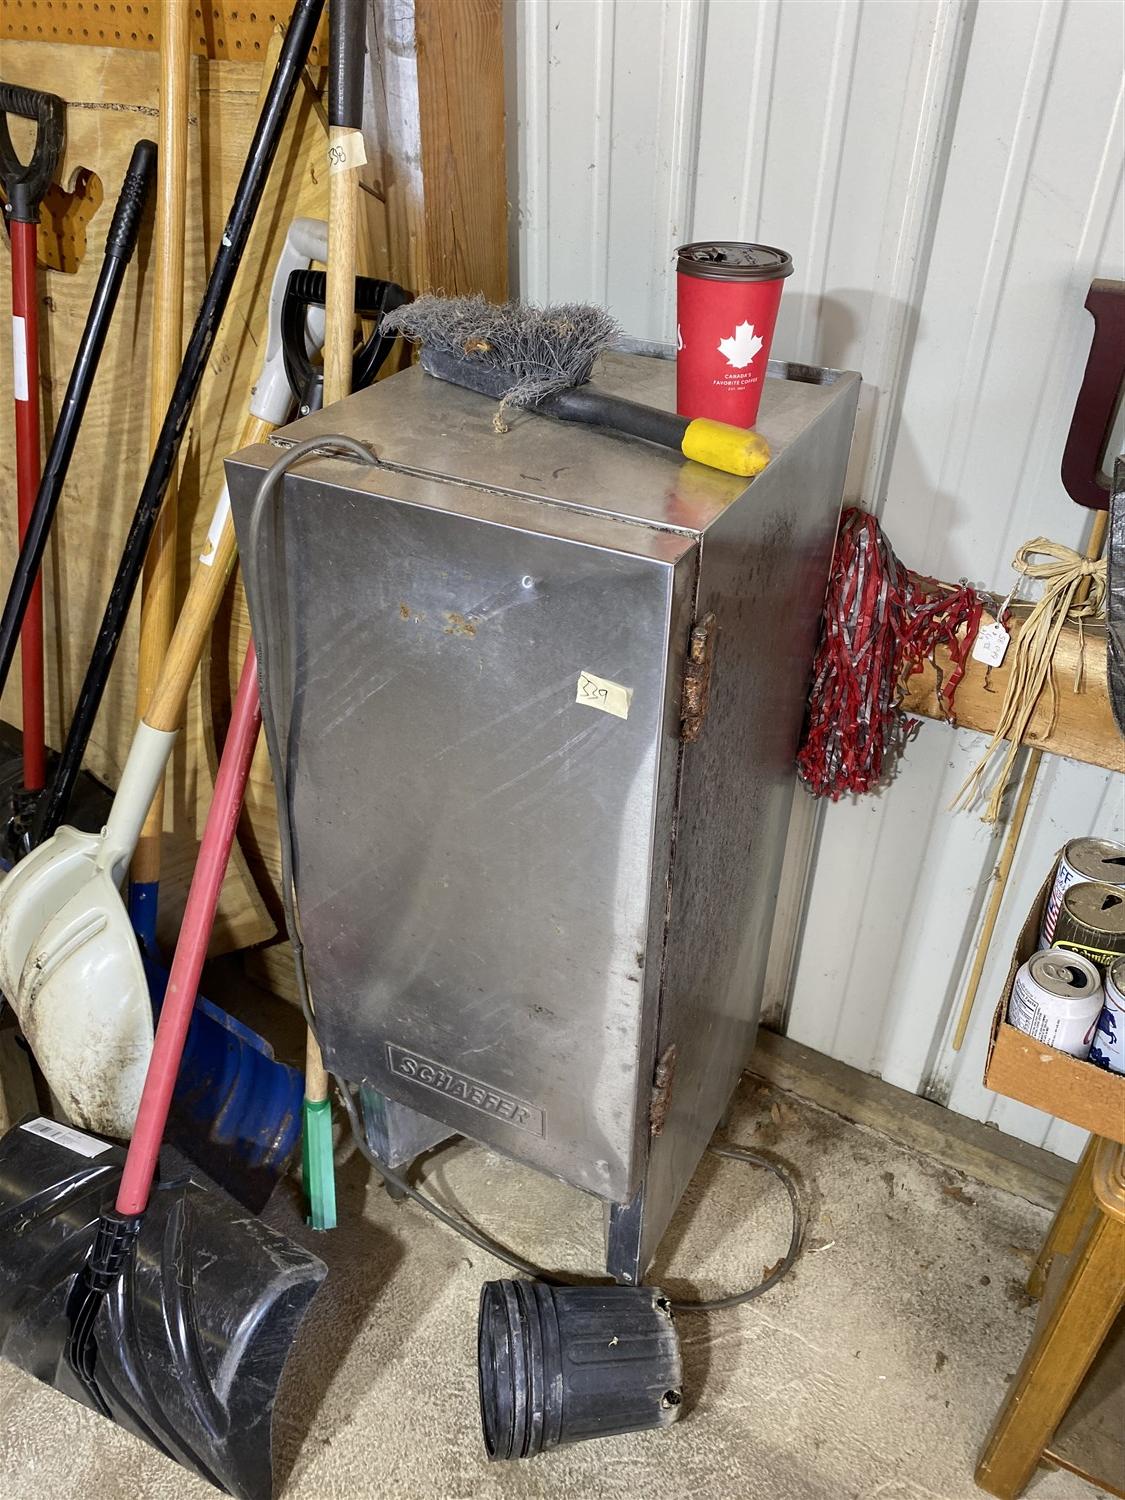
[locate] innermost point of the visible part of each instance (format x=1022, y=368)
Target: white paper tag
x=347, y=151
x=19, y=358
x=599, y=692
x=63, y=1135
x=215, y=530
x=991, y=644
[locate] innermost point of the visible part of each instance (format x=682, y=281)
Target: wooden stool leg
x=1067, y=1223
x=1061, y=1351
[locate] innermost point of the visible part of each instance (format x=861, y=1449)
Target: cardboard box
x=1024, y=1069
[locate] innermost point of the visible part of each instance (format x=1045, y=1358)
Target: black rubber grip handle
x=374, y=298
x=596, y=409
x=347, y=48
x=125, y=225
x=24, y=183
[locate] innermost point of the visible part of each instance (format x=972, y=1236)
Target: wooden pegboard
x=223, y=30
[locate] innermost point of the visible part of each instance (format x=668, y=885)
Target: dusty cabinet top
x=419, y=425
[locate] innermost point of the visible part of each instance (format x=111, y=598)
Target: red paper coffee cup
x=727, y=300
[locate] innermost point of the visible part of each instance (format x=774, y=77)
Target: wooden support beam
x=438, y=85
x=1083, y=727
x=461, y=104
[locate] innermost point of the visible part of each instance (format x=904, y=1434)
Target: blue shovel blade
x=236, y=1111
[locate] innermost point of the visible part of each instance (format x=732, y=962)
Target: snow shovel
x=24, y=185
x=119, y=246
x=70, y=964
x=173, y=1311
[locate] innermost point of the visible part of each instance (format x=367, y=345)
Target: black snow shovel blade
x=190, y=1341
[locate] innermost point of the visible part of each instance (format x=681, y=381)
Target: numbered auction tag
x=599, y=692
x=991, y=644
x=347, y=151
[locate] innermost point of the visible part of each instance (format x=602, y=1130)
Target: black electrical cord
x=539, y=1273
x=338, y=446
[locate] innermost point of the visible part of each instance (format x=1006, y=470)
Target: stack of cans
x=1071, y=993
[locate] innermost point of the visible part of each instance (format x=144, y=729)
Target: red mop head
x=880, y=623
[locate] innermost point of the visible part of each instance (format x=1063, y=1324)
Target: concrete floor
x=871, y=1373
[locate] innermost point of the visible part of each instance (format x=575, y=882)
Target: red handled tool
x=191, y=948
x=24, y=185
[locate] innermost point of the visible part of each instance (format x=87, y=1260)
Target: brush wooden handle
x=316, y=1074
x=339, y=327
x=339, y=310
x=346, y=64
x=345, y=111
x=197, y=616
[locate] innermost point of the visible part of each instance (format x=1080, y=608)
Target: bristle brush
x=541, y=358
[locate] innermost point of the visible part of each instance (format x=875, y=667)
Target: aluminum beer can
x=1108, y=1046
x=1082, y=859
x=1092, y=922
x=1057, y=998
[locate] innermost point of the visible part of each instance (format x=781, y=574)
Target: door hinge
x=697, y=677
x=662, y=1090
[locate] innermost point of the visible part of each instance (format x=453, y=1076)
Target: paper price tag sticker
x=347, y=151
x=19, y=358
x=215, y=530
x=63, y=1135
x=991, y=644
x=599, y=692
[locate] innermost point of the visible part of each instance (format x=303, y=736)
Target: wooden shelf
x=1084, y=727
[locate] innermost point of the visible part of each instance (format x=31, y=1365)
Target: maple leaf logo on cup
x=739, y=350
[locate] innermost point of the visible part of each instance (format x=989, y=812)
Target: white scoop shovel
x=69, y=961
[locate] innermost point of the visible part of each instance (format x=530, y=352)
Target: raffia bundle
x=1075, y=590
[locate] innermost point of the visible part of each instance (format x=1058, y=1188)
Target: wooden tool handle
x=345, y=110
x=316, y=1075
x=346, y=64
x=158, y=589
x=339, y=312
x=996, y=896
x=339, y=323
x=208, y=585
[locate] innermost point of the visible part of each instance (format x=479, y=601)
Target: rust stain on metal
x=697, y=678
x=662, y=1081
x=459, y=625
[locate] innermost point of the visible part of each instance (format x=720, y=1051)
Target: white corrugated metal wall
x=947, y=175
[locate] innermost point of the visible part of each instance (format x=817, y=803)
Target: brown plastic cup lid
x=733, y=260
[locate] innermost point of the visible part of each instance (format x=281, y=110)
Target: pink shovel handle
x=191, y=947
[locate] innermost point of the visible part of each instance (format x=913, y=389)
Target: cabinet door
x=482, y=752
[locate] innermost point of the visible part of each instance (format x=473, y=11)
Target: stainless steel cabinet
x=536, y=900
